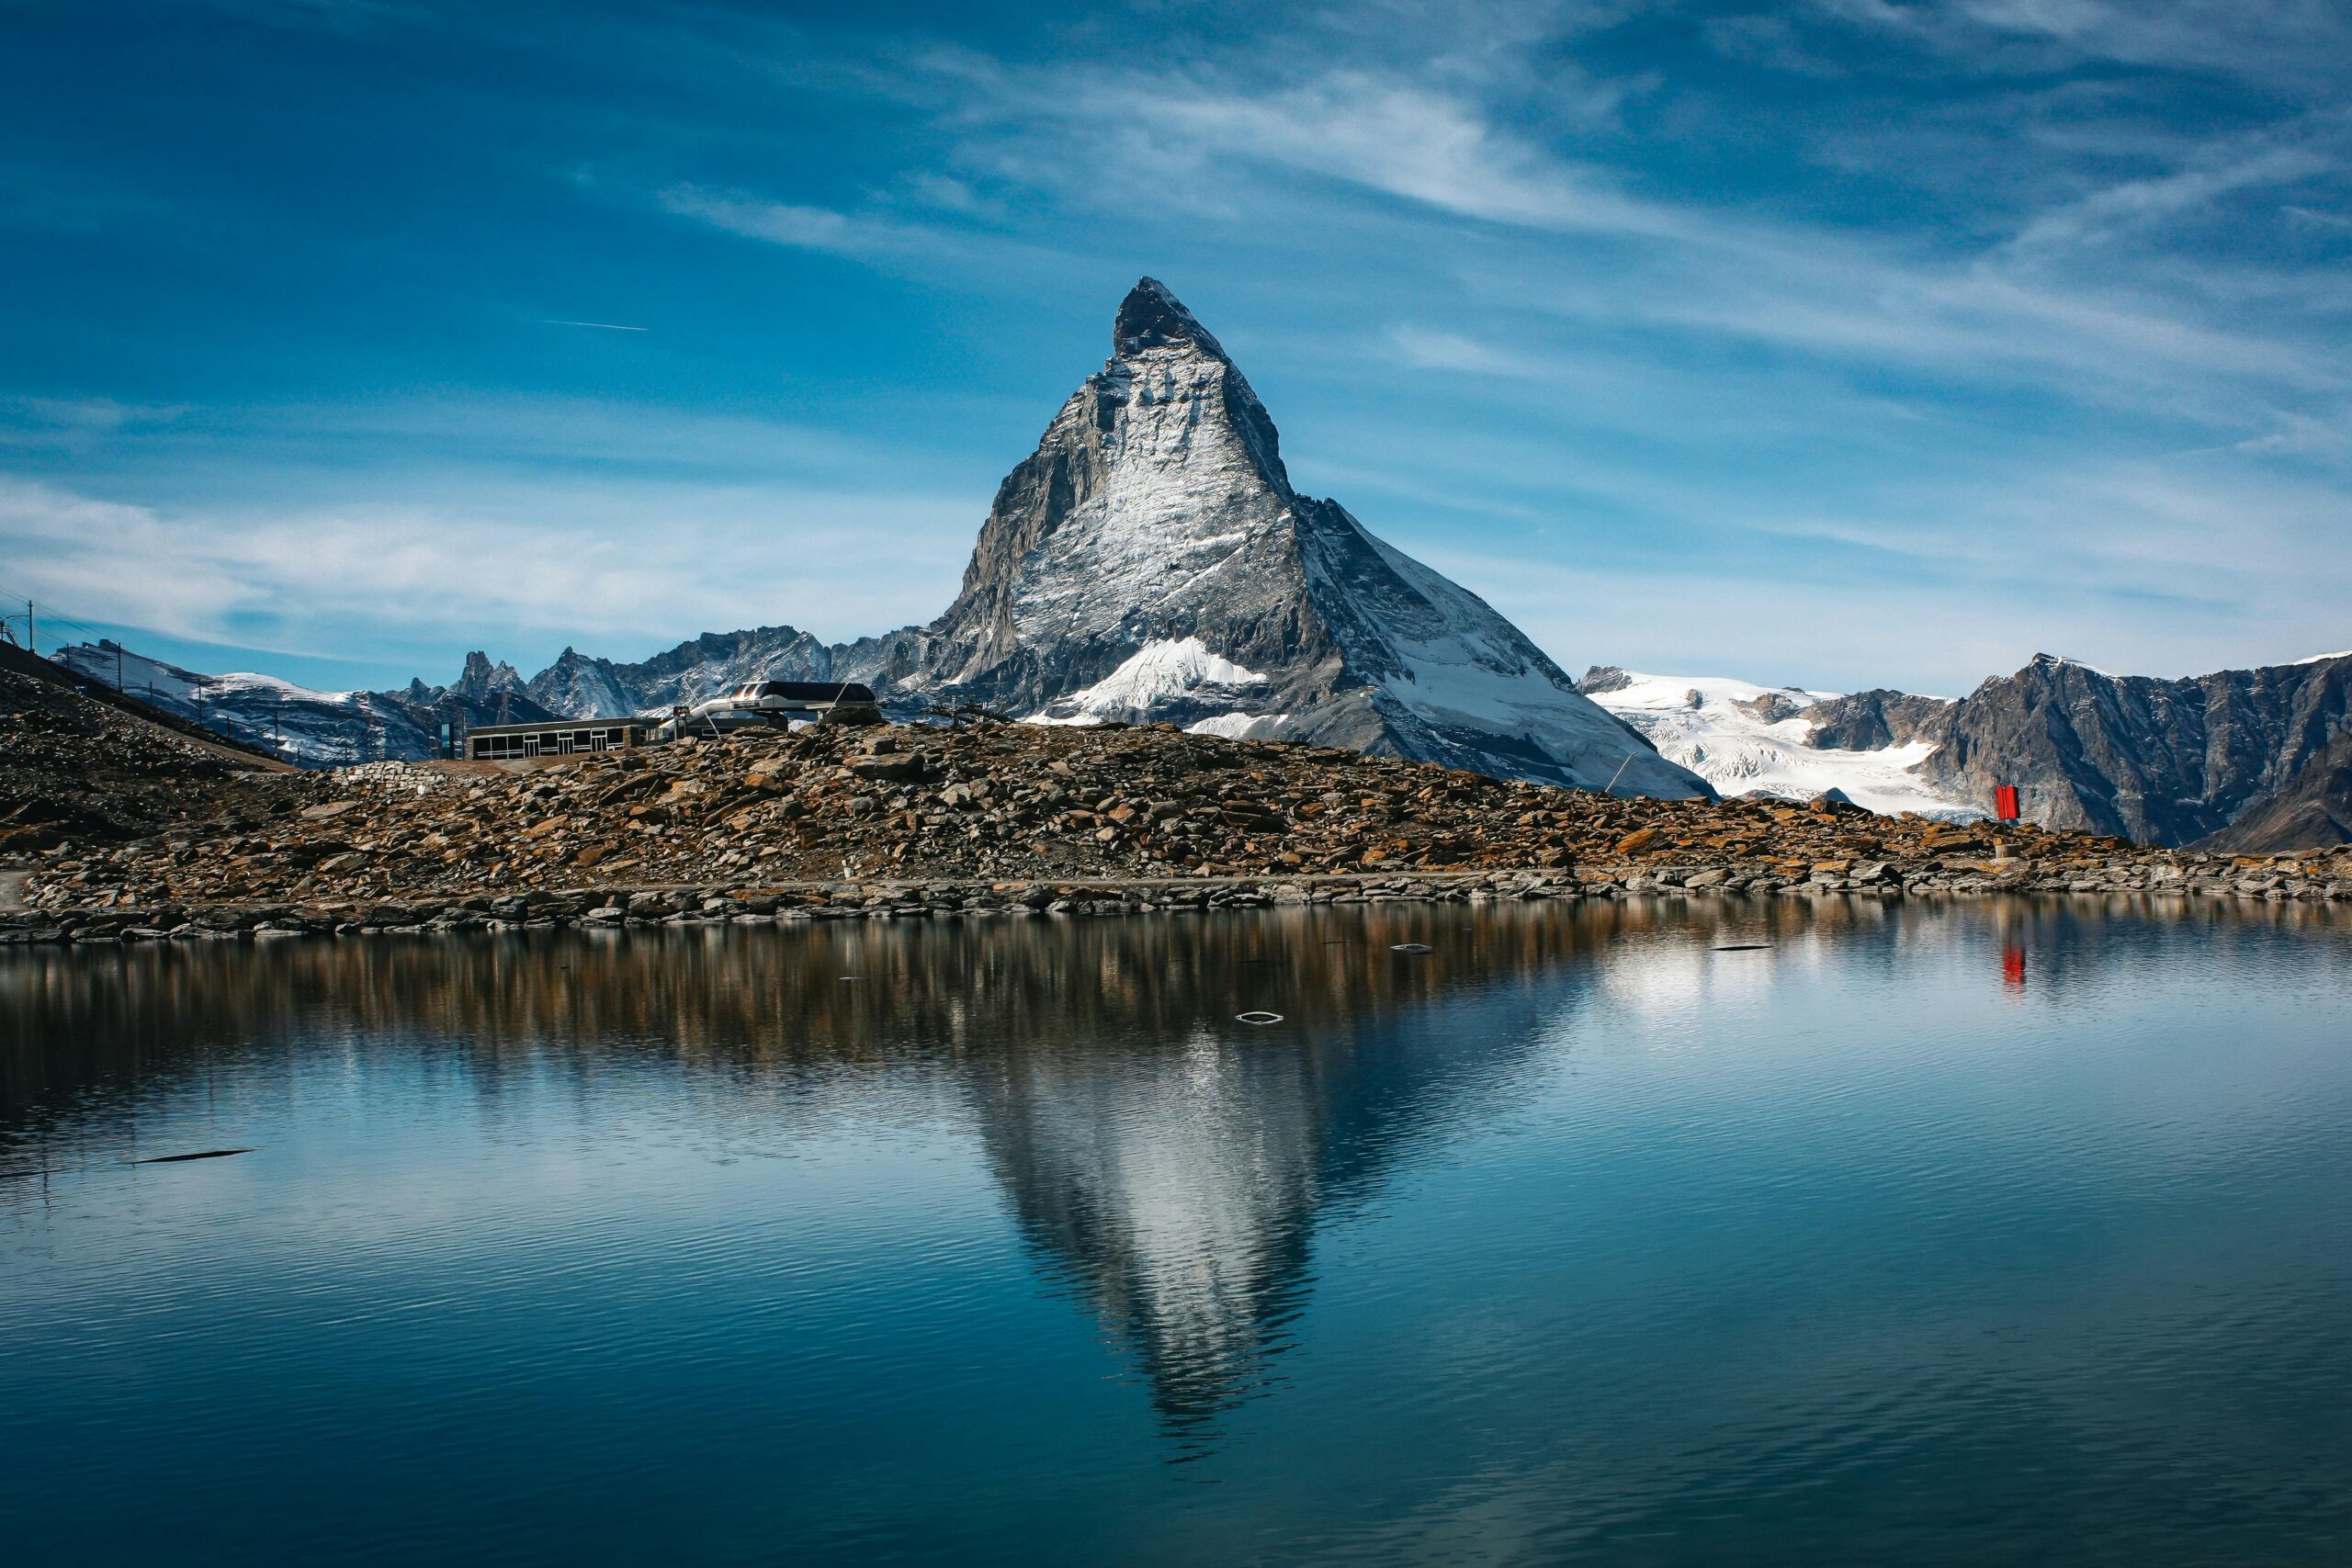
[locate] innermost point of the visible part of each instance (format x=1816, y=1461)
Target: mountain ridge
x=2243, y=759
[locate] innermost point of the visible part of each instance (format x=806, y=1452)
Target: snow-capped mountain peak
x=1156, y=515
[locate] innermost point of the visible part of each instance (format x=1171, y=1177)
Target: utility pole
x=118, y=668
x=32, y=637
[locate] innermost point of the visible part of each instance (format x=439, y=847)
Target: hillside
x=79, y=771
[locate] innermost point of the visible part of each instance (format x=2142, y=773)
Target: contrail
x=607, y=326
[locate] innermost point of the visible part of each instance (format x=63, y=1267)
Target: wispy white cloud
x=1418, y=141
x=2274, y=41
x=617, y=563
x=934, y=221
x=1178, y=142
x=2170, y=569
x=778, y=222
x=1398, y=138
x=76, y=422
x=1423, y=348
x=2134, y=206
x=2339, y=221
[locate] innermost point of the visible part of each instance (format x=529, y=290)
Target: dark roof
x=815, y=691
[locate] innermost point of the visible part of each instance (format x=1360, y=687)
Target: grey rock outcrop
x=580, y=686
x=2313, y=811
x=1873, y=720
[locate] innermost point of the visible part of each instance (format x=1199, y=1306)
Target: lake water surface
x=1991, y=1233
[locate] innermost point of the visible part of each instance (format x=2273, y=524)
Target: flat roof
x=635, y=721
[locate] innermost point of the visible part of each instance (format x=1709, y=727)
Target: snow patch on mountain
x=1750, y=739
x=1155, y=677
x=1241, y=726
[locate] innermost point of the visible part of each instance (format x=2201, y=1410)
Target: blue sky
x=1835, y=342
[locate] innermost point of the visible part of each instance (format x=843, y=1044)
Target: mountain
x=1784, y=741
x=312, y=727
x=703, y=667
x=579, y=686
x=2156, y=760
x=2243, y=760
x=1150, y=563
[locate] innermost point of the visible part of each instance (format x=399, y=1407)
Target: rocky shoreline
x=1015, y=821
x=614, y=908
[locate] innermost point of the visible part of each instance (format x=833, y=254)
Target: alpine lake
x=1645, y=1232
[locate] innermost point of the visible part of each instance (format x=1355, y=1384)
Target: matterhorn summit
x=1150, y=563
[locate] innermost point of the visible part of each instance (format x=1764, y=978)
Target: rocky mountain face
x=1875, y=719
x=579, y=686
x=2164, y=761
x=2243, y=760
x=2313, y=811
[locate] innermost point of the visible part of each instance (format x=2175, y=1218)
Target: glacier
x=1749, y=740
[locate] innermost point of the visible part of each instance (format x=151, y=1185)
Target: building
x=556, y=738
x=784, y=702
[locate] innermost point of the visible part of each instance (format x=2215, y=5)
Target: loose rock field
x=835, y=823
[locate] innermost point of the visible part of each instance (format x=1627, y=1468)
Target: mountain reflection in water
x=1167, y=1163
x=1595, y=1225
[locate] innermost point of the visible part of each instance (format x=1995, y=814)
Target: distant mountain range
x=2240, y=759
x=1150, y=563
